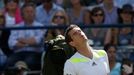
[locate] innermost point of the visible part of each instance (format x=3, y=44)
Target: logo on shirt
x=93, y=64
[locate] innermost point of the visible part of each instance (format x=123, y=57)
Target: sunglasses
x=60, y=17
x=98, y=14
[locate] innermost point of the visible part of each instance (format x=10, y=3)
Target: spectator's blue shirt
x=16, y=34
x=116, y=69
x=43, y=16
x=110, y=17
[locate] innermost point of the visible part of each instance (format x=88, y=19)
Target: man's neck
x=85, y=50
x=77, y=7
x=109, y=7
x=28, y=23
x=48, y=7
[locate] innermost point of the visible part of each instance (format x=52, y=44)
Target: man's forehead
x=73, y=30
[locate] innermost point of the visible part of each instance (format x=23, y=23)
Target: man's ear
x=72, y=43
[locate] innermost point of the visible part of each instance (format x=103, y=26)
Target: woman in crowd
x=114, y=65
x=99, y=36
x=125, y=17
x=59, y=18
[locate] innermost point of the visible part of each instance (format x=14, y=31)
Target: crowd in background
x=27, y=45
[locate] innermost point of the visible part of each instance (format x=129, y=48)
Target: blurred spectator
x=12, y=12
x=45, y=10
x=59, y=18
x=114, y=65
x=110, y=10
x=76, y=12
x=125, y=17
x=123, y=36
x=19, y=68
x=127, y=67
x=99, y=36
x=26, y=44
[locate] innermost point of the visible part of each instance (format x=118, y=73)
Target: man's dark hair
x=67, y=36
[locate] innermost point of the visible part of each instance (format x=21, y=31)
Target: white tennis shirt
x=81, y=65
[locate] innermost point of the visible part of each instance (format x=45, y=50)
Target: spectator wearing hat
x=125, y=18
x=19, y=68
x=123, y=36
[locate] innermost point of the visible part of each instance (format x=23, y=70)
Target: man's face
x=77, y=35
x=29, y=13
x=111, y=53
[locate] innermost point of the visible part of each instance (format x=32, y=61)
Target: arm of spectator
x=29, y=41
x=14, y=42
x=20, y=45
x=108, y=37
x=36, y=39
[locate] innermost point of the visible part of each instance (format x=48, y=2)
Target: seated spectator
x=19, y=68
x=114, y=65
x=125, y=17
x=12, y=12
x=59, y=18
x=99, y=36
x=76, y=12
x=45, y=10
x=123, y=36
x=26, y=44
x=111, y=14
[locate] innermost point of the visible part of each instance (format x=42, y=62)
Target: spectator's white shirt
x=10, y=21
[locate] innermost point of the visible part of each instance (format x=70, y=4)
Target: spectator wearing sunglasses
x=59, y=18
x=99, y=36
x=125, y=17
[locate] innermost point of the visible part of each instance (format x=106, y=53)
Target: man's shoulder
x=99, y=53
